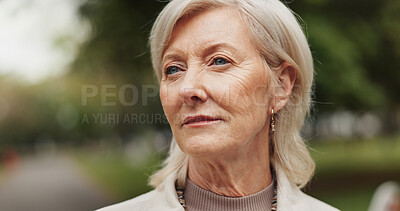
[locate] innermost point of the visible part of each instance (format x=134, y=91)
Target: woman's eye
x=220, y=61
x=171, y=70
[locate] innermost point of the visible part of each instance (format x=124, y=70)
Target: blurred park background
x=81, y=124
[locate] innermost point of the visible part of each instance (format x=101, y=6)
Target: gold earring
x=272, y=121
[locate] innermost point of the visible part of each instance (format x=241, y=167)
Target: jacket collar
x=167, y=194
x=289, y=196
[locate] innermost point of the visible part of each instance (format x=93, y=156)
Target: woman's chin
x=203, y=146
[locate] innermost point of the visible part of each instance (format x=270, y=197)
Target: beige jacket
x=290, y=198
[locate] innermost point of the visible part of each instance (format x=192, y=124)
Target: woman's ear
x=286, y=74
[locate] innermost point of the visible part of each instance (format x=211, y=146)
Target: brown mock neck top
x=198, y=199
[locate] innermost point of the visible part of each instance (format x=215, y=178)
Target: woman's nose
x=191, y=91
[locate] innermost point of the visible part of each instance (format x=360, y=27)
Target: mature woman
x=235, y=81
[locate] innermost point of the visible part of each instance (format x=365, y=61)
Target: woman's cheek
x=168, y=96
x=238, y=98
x=261, y=96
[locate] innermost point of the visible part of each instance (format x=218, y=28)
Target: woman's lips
x=200, y=120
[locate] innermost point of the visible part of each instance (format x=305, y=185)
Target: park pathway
x=49, y=183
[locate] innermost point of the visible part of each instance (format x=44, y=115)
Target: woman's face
x=214, y=89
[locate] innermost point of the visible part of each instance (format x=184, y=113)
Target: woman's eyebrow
x=219, y=47
x=174, y=55
x=177, y=54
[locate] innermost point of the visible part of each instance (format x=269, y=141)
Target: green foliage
x=118, y=42
x=340, y=75
x=355, y=52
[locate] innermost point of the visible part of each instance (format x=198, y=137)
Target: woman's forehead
x=212, y=29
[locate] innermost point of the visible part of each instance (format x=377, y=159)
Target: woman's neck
x=234, y=174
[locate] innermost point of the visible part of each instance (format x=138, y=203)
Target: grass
x=357, y=199
x=348, y=171
x=347, y=156
x=117, y=175
x=347, y=174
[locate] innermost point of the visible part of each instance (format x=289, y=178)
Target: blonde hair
x=278, y=37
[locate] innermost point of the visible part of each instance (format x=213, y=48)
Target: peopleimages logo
x=109, y=95
x=126, y=95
